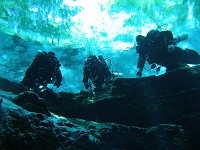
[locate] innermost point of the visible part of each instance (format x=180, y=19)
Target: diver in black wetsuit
x=43, y=70
x=96, y=72
x=159, y=48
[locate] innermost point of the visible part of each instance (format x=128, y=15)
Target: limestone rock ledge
x=149, y=113
x=21, y=129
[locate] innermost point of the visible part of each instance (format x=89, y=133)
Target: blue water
x=75, y=29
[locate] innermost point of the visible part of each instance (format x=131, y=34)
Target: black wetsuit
x=156, y=51
x=43, y=70
x=96, y=71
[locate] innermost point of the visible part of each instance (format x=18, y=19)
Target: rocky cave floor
x=149, y=113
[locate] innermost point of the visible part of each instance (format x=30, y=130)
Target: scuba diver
x=160, y=48
x=43, y=70
x=96, y=72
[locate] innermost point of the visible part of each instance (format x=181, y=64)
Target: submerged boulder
x=32, y=102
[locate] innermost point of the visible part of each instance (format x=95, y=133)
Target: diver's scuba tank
x=180, y=38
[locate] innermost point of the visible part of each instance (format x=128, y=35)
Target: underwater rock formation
x=28, y=130
x=155, y=112
x=32, y=102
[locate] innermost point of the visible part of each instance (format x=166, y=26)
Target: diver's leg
x=187, y=56
x=173, y=66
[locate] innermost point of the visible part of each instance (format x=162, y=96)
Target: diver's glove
x=171, y=48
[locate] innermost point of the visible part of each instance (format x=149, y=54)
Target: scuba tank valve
x=180, y=38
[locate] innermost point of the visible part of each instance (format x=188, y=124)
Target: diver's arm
x=86, y=78
x=58, y=78
x=140, y=65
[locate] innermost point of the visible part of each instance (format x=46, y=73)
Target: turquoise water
x=75, y=29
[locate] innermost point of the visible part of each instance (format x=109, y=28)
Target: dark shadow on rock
x=10, y=86
x=32, y=102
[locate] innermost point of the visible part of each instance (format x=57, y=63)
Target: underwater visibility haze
x=159, y=111
x=73, y=29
